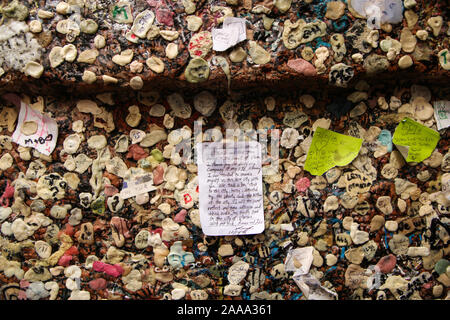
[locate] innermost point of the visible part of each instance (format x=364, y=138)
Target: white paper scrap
x=44, y=139
x=137, y=186
x=299, y=260
x=237, y=24
x=442, y=114
x=312, y=289
x=230, y=188
x=232, y=32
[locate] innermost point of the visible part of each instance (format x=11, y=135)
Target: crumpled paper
x=312, y=289
x=232, y=32
x=379, y=12
x=299, y=260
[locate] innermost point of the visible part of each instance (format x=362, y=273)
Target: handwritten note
x=442, y=114
x=329, y=149
x=44, y=139
x=415, y=141
x=137, y=186
x=232, y=32
x=230, y=188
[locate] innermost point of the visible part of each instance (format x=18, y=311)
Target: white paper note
x=232, y=32
x=230, y=188
x=44, y=140
x=442, y=114
x=137, y=186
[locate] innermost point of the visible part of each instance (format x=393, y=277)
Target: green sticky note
x=415, y=139
x=329, y=149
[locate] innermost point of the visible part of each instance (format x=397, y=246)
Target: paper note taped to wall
x=415, y=141
x=230, y=188
x=442, y=114
x=137, y=186
x=232, y=32
x=329, y=149
x=45, y=134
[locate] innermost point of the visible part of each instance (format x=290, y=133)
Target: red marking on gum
x=187, y=198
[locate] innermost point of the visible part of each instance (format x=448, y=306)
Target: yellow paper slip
x=415, y=141
x=329, y=149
